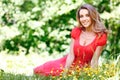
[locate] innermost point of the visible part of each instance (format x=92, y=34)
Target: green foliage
x=38, y=24
x=112, y=23
x=10, y=76
x=45, y=25
x=28, y=5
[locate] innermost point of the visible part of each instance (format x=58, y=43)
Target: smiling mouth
x=85, y=23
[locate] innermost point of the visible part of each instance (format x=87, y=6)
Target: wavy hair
x=97, y=25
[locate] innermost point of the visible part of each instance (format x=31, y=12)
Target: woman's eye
x=81, y=16
x=87, y=15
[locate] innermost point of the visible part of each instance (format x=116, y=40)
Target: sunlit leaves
x=49, y=21
x=12, y=32
x=113, y=14
x=17, y=2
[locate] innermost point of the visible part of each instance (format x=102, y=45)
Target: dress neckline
x=87, y=44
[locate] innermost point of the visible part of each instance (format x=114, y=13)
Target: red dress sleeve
x=75, y=32
x=102, y=39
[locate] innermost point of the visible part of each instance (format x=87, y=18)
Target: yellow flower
x=59, y=78
x=75, y=78
x=61, y=66
x=89, y=74
x=53, y=76
x=51, y=70
x=72, y=72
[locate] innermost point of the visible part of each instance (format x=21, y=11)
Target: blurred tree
x=38, y=22
x=45, y=25
x=111, y=20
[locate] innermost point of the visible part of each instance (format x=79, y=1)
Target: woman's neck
x=88, y=30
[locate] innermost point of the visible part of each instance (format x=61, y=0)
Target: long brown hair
x=97, y=25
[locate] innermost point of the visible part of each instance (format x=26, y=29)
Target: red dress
x=83, y=54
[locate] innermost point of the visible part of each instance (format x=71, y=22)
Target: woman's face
x=85, y=18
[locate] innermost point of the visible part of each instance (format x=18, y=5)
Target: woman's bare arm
x=95, y=58
x=70, y=56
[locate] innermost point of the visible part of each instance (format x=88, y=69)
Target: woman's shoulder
x=102, y=35
x=102, y=38
x=76, y=29
x=75, y=32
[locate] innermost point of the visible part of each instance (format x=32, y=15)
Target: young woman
x=87, y=42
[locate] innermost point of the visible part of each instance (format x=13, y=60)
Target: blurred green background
x=43, y=26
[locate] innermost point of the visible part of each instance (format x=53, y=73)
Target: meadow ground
x=21, y=64
x=20, y=67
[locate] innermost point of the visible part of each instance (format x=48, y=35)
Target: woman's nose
x=84, y=18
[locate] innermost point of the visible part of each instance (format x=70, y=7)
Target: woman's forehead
x=83, y=11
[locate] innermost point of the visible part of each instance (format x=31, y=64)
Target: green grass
x=20, y=67
x=10, y=76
